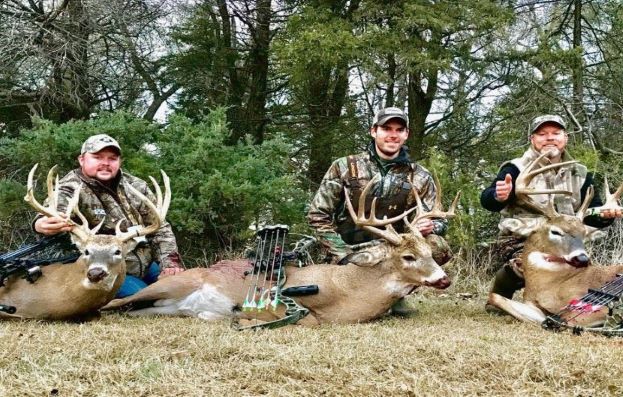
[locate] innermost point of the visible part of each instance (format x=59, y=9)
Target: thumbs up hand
x=503, y=188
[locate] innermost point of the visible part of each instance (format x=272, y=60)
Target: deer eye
x=87, y=253
x=556, y=232
x=409, y=257
x=117, y=252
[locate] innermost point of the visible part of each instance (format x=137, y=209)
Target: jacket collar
x=95, y=183
x=402, y=158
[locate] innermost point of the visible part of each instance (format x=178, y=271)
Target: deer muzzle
x=442, y=283
x=581, y=260
x=96, y=274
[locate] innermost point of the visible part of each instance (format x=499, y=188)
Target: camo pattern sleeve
x=324, y=207
x=424, y=183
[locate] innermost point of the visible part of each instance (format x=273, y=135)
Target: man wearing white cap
x=103, y=196
x=547, y=135
x=387, y=157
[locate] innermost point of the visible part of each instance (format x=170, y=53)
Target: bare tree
x=65, y=59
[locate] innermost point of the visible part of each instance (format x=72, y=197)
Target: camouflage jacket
x=574, y=178
x=328, y=213
x=99, y=202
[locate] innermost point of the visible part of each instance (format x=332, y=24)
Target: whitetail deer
x=79, y=289
x=556, y=266
x=361, y=290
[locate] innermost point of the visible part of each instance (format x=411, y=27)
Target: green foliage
x=218, y=190
x=472, y=224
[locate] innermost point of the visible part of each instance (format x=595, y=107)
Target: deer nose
x=581, y=260
x=96, y=274
x=442, y=283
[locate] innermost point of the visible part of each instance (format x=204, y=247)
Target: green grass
x=452, y=347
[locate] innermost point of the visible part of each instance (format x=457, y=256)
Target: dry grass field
x=452, y=347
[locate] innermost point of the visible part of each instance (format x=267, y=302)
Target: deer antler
x=372, y=221
x=523, y=192
x=437, y=210
x=611, y=202
x=159, y=209
x=81, y=231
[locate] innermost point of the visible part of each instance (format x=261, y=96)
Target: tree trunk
x=258, y=61
x=420, y=103
x=578, y=67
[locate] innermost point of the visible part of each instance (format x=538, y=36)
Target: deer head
x=101, y=255
x=554, y=239
x=407, y=253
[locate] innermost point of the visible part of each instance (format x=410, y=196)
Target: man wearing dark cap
x=387, y=157
x=547, y=135
x=103, y=196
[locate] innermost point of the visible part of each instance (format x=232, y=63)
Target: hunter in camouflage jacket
x=328, y=213
x=113, y=203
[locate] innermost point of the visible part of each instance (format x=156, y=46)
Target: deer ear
x=520, y=227
x=76, y=241
x=131, y=244
x=367, y=258
x=594, y=234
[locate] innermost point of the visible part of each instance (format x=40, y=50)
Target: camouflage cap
x=537, y=122
x=384, y=115
x=98, y=142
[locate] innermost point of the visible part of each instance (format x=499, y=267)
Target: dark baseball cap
x=384, y=115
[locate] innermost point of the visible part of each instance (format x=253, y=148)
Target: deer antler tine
x=531, y=174
x=159, y=211
x=418, y=202
x=167, y=193
x=390, y=235
x=587, y=199
x=31, y=174
x=452, y=210
x=438, y=193
x=72, y=205
x=30, y=195
x=145, y=200
x=52, y=193
x=391, y=231
x=349, y=205
x=361, y=204
x=550, y=210
x=158, y=192
x=523, y=192
x=96, y=228
x=118, y=227
x=373, y=210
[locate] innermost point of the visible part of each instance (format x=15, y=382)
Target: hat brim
x=384, y=120
x=99, y=149
x=536, y=127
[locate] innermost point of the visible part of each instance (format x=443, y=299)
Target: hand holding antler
x=52, y=222
x=611, y=207
x=55, y=221
x=422, y=221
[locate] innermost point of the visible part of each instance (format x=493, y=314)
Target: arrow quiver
x=609, y=296
x=267, y=268
x=267, y=277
